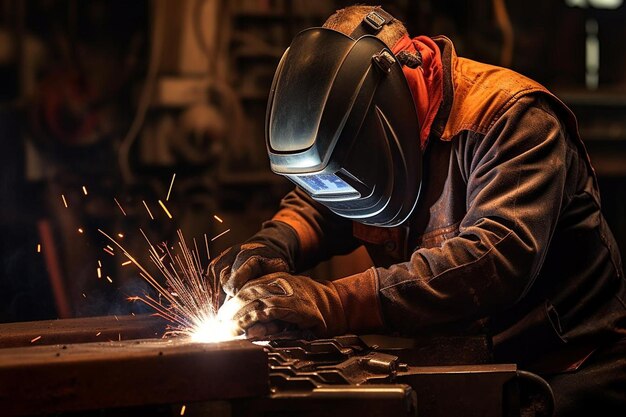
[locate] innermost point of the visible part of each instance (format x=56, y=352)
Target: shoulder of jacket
x=482, y=93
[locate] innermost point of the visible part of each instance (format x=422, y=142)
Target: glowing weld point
x=212, y=330
x=84, y=190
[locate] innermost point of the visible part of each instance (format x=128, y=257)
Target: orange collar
x=424, y=81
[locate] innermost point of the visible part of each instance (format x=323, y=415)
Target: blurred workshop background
x=116, y=114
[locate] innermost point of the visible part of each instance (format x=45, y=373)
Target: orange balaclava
x=425, y=81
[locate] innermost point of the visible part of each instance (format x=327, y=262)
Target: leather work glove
x=270, y=250
x=241, y=263
x=327, y=308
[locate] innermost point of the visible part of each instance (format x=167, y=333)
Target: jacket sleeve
x=310, y=232
x=515, y=188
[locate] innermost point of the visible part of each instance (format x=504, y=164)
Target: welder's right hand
x=242, y=263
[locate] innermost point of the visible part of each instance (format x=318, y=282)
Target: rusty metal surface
x=61, y=378
x=464, y=390
x=81, y=330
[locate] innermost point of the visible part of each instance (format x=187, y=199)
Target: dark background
x=118, y=96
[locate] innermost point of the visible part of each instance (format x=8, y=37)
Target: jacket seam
x=439, y=231
x=451, y=269
x=508, y=103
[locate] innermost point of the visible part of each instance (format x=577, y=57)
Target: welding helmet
x=341, y=124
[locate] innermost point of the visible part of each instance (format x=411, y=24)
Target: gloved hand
x=241, y=263
x=274, y=248
x=327, y=308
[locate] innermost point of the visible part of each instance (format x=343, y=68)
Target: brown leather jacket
x=507, y=235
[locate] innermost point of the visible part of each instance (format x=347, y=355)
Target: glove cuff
x=361, y=304
x=280, y=237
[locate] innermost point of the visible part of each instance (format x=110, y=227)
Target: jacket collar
x=448, y=58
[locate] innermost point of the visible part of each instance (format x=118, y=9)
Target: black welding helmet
x=341, y=124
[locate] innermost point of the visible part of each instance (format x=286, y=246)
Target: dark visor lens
x=324, y=184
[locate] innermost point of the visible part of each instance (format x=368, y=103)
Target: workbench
x=117, y=366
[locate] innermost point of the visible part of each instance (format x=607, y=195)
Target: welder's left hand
x=327, y=308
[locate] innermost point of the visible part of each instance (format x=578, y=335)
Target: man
x=496, y=229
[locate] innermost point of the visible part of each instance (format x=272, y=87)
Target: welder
x=471, y=190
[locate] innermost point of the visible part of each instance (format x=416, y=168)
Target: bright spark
x=165, y=209
x=120, y=206
x=35, y=339
x=170, y=189
x=216, y=217
x=220, y=235
x=120, y=235
x=147, y=209
x=38, y=247
x=64, y=200
x=193, y=309
x=84, y=190
x=80, y=230
x=98, y=334
x=108, y=251
x=109, y=279
x=182, y=410
x=126, y=263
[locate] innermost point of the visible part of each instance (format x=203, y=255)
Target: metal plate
x=81, y=330
x=47, y=379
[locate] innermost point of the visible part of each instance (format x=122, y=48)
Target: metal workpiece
x=464, y=390
x=81, y=330
x=347, y=366
x=364, y=401
x=288, y=374
x=89, y=376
